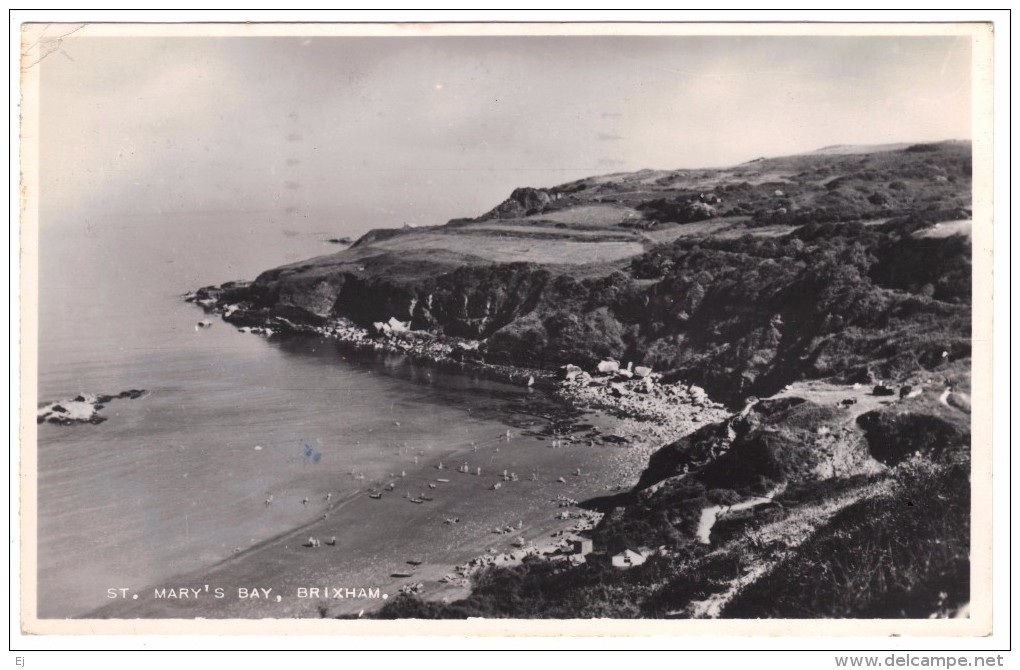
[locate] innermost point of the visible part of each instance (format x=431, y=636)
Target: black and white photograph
x=361, y=323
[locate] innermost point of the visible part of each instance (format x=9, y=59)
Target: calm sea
x=169, y=482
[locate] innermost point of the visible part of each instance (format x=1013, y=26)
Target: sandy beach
x=388, y=543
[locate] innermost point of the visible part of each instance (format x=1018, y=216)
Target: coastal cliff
x=742, y=280
x=824, y=298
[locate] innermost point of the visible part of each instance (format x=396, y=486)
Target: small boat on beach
x=375, y=496
x=443, y=481
x=426, y=498
x=401, y=574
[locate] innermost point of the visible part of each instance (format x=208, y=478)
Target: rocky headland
x=787, y=333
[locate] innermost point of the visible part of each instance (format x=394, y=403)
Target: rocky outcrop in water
x=83, y=408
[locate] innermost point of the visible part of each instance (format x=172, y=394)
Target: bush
x=910, y=556
x=894, y=437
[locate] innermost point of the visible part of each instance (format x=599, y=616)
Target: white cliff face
x=410, y=308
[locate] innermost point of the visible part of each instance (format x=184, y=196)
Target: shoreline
x=586, y=444
x=613, y=385
x=285, y=564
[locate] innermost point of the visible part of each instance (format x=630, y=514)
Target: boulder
x=397, y=326
x=570, y=371
x=642, y=371
x=960, y=401
x=698, y=395
x=608, y=365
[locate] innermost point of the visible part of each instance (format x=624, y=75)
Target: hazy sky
x=369, y=132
